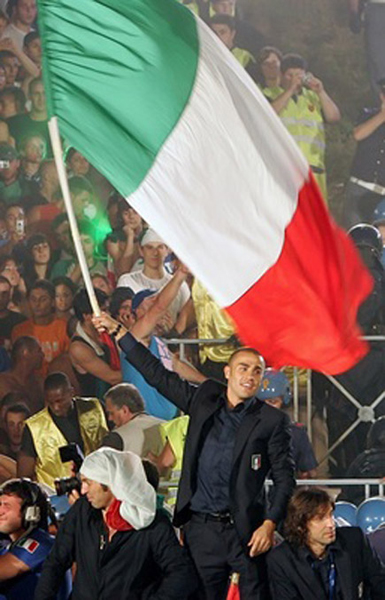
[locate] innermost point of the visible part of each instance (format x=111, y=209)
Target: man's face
x=35, y=356
x=101, y=284
x=276, y=402
x=26, y=11
x=154, y=254
x=14, y=214
x=41, y=253
x=78, y=164
x=118, y=416
x=14, y=425
x=97, y=496
x=88, y=245
x=8, y=106
x=59, y=400
x=34, y=149
x=5, y=295
x=11, y=67
x=125, y=314
x=33, y=50
x=224, y=7
x=37, y=97
x=63, y=236
x=225, y=34
x=321, y=529
x=10, y=514
x=244, y=374
x=271, y=66
x=291, y=75
x=41, y=303
x=10, y=172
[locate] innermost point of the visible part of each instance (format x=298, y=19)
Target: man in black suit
x=234, y=440
x=318, y=561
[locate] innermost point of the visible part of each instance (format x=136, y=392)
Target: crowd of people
x=212, y=423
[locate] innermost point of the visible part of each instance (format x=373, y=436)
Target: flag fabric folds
x=156, y=103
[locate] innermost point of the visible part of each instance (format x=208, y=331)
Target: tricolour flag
x=155, y=102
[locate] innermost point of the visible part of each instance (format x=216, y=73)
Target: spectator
x=23, y=66
x=35, y=122
x=369, y=464
x=275, y=390
x=123, y=244
x=32, y=152
x=225, y=27
x=49, y=180
x=269, y=64
x=318, y=560
x=24, y=376
x=24, y=510
x=15, y=417
x=11, y=65
x=153, y=275
x=121, y=306
x=9, y=270
x=32, y=47
x=12, y=103
x=91, y=358
x=65, y=291
x=246, y=35
x=78, y=165
x=22, y=14
x=8, y=318
x=130, y=527
x=134, y=430
x=367, y=176
x=10, y=186
x=62, y=233
x=64, y=420
x=43, y=325
x=101, y=282
x=38, y=263
x=304, y=106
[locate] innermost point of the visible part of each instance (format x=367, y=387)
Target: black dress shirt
x=214, y=463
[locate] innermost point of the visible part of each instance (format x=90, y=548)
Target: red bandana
x=114, y=519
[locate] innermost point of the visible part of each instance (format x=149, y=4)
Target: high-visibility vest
x=48, y=438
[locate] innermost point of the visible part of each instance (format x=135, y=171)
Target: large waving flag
x=155, y=102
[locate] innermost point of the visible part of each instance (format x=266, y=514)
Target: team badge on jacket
x=256, y=461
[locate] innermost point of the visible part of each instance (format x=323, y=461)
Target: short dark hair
x=30, y=37
x=78, y=184
x=266, y=51
x=35, y=239
x=12, y=399
x=120, y=295
x=43, y=284
x=246, y=349
x=82, y=305
x=126, y=394
x=63, y=280
x=18, y=408
x=305, y=504
x=55, y=381
x=293, y=61
x=224, y=20
x=18, y=96
x=30, y=494
x=25, y=342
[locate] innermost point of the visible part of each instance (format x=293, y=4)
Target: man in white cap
x=153, y=275
x=123, y=548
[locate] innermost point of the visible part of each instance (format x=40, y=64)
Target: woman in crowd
x=38, y=262
x=65, y=290
x=269, y=66
x=10, y=270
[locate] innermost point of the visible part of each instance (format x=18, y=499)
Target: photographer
x=24, y=511
x=123, y=547
x=304, y=107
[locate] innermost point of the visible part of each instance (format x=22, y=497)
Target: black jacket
x=263, y=433
x=358, y=570
x=134, y=565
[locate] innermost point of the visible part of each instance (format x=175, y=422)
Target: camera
x=66, y=485
x=306, y=78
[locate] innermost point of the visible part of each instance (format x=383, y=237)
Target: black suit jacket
x=263, y=445
x=358, y=570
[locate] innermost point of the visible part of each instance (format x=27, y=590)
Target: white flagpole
x=58, y=155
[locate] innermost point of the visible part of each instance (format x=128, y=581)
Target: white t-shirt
x=15, y=34
x=137, y=281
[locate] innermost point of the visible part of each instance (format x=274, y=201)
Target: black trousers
x=217, y=552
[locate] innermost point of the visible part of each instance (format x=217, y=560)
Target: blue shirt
x=32, y=551
x=214, y=464
x=155, y=404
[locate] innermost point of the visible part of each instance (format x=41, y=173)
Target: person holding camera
x=24, y=511
x=304, y=106
x=64, y=420
x=122, y=545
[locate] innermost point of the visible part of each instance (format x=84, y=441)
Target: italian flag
x=157, y=103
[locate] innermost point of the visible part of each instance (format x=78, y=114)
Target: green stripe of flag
x=118, y=74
